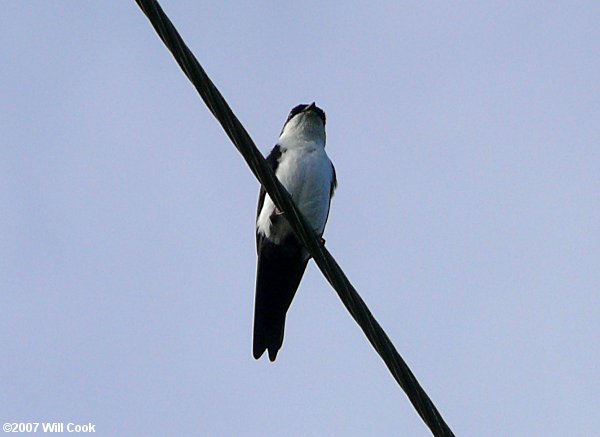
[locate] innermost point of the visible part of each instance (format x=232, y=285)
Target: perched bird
x=302, y=166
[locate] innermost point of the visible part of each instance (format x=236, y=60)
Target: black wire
x=329, y=267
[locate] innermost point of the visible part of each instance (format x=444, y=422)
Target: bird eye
x=321, y=114
x=296, y=110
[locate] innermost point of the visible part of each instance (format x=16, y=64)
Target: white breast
x=306, y=173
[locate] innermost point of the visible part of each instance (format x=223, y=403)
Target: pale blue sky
x=466, y=142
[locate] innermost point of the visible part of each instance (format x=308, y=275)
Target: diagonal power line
x=326, y=263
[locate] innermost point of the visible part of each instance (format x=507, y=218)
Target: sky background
x=466, y=141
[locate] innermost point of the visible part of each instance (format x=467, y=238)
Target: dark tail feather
x=277, y=279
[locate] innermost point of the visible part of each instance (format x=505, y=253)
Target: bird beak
x=310, y=107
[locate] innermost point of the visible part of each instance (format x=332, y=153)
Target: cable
x=326, y=263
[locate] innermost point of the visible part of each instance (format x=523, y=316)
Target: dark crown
x=298, y=109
